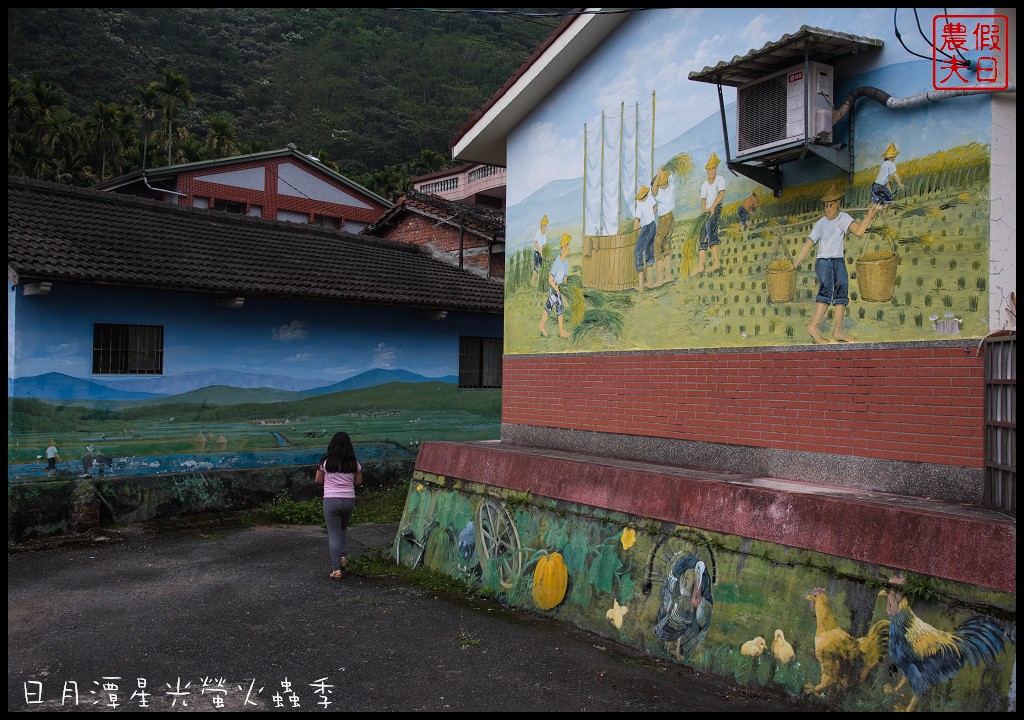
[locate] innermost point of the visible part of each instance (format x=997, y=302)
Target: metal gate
x=1001, y=423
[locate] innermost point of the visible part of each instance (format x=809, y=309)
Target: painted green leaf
x=603, y=568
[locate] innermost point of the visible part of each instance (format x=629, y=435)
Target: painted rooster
x=844, y=659
x=928, y=656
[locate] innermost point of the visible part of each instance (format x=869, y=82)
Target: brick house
x=276, y=184
x=469, y=236
x=687, y=467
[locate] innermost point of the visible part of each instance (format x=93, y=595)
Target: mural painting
x=261, y=386
x=847, y=634
x=670, y=248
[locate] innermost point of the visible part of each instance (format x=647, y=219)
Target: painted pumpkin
x=549, y=581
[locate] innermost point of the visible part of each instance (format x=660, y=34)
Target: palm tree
x=325, y=159
x=174, y=88
x=21, y=111
x=392, y=182
x=190, y=149
x=62, y=133
x=147, y=104
x=47, y=95
x=250, y=148
x=430, y=161
x=104, y=129
x=221, y=138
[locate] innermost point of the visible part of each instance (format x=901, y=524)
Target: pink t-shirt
x=339, y=484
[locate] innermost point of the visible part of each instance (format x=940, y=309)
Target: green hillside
x=368, y=88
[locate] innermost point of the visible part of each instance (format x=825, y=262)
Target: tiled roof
x=816, y=44
x=484, y=221
x=66, y=234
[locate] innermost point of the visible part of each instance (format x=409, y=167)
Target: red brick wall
x=271, y=202
x=914, y=404
x=420, y=230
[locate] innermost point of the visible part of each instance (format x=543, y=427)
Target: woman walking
x=340, y=473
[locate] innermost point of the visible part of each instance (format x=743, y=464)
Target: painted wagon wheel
x=497, y=540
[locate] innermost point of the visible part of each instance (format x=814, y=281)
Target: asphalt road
x=201, y=617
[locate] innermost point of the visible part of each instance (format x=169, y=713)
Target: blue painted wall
x=261, y=385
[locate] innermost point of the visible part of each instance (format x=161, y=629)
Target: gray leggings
x=337, y=512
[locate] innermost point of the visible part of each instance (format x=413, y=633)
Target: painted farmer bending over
x=712, y=194
x=559, y=271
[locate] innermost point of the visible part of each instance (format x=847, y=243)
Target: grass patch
x=379, y=563
x=380, y=506
x=464, y=641
x=372, y=506
x=296, y=512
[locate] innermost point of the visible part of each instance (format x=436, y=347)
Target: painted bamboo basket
x=780, y=277
x=876, y=275
x=609, y=261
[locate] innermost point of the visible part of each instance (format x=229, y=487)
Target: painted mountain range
x=57, y=386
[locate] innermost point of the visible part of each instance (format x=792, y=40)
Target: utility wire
x=945, y=14
x=896, y=30
x=524, y=13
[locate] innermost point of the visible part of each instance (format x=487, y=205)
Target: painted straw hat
x=642, y=192
x=833, y=193
x=565, y=240
x=890, y=152
x=544, y=220
x=713, y=162
x=661, y=180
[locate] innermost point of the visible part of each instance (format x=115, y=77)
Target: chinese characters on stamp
x=970, y=52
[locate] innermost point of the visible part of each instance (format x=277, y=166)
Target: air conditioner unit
x=773, y=112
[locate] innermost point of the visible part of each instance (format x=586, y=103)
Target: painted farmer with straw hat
x=559, y=272
x=665, y=196
x=881, y=190
x=829, y=234
x=750, y=205
x=645, y=219
x=52, y=456
x=712, y=193
x=539, y=241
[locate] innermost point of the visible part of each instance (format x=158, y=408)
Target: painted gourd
x=549, y=581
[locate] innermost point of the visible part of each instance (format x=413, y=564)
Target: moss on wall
x=813, y=625
x=39, y=509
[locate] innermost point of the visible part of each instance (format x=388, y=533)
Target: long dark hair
x=340, y=455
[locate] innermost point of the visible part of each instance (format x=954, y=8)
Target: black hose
x=879, y=96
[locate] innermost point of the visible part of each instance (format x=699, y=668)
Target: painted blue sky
x=661, y=47
x=300, y=340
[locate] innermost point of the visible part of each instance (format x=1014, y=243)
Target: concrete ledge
x=962, y=543
x=948, y=483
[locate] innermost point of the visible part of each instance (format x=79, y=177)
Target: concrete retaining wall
x=74, y=505
x=803, y=587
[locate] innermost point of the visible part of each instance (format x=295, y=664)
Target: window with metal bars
x=127, y=349
x=480, y=362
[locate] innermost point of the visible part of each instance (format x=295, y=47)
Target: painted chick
x=781, y=649
x=754, y=647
